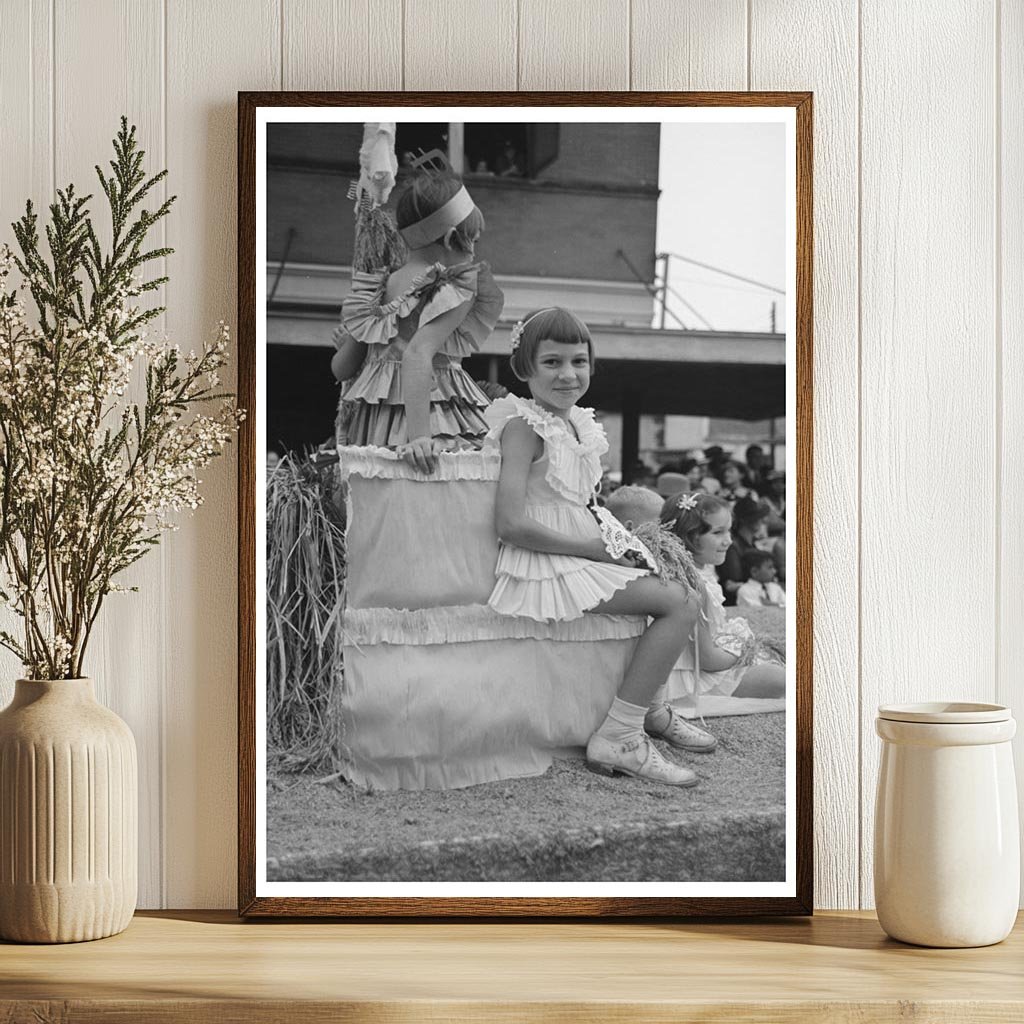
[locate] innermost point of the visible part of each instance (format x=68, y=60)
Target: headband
x=520, y=325
x=434, y=225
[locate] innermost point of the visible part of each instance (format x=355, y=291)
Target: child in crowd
x=749, y=517
x=405, y=332
x=633, y=505
x=734, y=663
x=732, y=476
x=561, y=555
x=760, y=590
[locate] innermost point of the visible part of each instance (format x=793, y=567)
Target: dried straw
x=675, y=563
x=305, y=598
x=378, y=245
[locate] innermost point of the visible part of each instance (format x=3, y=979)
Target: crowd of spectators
x=754, y=570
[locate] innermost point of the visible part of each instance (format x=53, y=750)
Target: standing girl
x=414, y=326
x=727, y=659
x=561, y=556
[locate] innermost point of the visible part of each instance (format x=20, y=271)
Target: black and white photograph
x=525, y=492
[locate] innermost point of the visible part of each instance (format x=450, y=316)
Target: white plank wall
x=832, y=75
x=26, y=129
x=928, y=363
x=469, y=45
x=919, y=307
x=574, y=44
x=1009, y=316
x=341, y=44
x=128, y=81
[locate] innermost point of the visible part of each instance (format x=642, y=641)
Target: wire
x=694, y=311
x=727, y=273
x=284, y=262
x=653, y=292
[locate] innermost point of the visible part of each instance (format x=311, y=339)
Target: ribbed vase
x=68, y=815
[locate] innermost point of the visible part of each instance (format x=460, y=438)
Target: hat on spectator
x=668, y=484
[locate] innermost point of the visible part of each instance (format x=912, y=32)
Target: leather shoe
x=679, y=732
x=637, y=757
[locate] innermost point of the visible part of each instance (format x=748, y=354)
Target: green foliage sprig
x=88, y=477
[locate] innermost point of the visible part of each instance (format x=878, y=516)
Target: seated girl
x=735, y=662
x=562, y=555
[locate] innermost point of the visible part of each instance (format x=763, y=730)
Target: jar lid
x=945, y=713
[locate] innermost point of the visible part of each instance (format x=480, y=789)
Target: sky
x=723, y=203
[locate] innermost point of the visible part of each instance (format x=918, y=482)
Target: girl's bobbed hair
x=686, y=515
x=554, y=324
x=425, y=194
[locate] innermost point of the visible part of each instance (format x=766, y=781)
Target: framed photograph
x=525, y=504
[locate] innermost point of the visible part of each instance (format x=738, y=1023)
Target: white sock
x=622, y=721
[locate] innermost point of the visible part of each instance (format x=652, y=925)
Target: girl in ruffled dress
x=730, y=660
x=561, y=555
x=417, y=323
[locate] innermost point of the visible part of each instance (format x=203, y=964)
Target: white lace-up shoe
x=679, y=732
x=638, y=757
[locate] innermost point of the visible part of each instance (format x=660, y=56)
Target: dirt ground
x=314, y=824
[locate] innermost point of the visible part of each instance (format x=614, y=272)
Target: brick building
x=571, y=214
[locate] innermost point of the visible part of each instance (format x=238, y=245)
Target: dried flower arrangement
x=90, y=478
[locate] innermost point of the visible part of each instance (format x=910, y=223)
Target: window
x=510, y=150
x=497, y=150
x=414, y=138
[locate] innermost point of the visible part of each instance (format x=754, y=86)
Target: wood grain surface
x=209, y=967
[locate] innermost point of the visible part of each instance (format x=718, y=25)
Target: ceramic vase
x=947, y=847
x=68, y=815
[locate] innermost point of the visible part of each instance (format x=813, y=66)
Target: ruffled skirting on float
x=440, y=690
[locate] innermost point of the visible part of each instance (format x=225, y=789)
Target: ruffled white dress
x=686, y=680
x=374, y=413
x=562, y=480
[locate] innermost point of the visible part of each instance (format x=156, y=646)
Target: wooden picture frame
x=254, y=899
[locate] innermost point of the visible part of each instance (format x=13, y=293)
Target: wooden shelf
x=209, y=966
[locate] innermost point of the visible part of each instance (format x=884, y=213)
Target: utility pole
x=663, y=256
x=457, y=146
x=773, y=318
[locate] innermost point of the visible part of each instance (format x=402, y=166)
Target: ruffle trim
x=574, y=467
x=453, y=424
x=381, y=383
x=372, y=462
x=454, y=624
x=373, y=321
x=562, y=598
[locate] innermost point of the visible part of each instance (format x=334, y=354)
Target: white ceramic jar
x=947, y=847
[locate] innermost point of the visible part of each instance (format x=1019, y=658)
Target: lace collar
x=574, y=458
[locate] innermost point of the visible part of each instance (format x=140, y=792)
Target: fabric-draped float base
x=445, y=716
x=442, y=691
